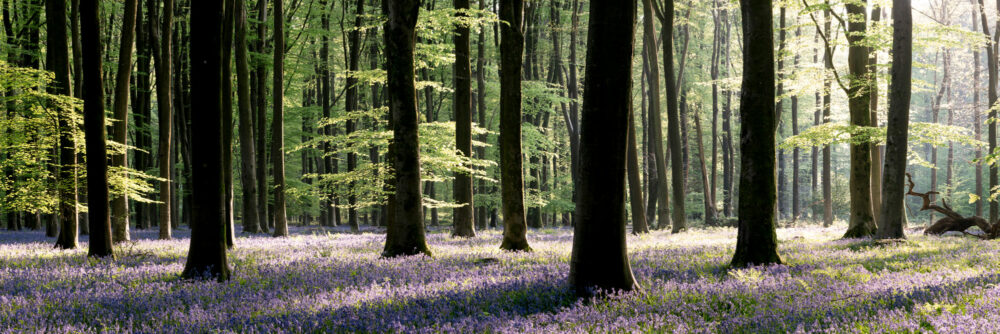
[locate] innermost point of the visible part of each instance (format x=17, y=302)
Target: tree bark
x=677, y=167
x=655, y=123
x=827, y=150
x=977, y=122
x=261, y=119
x=277, y=122
x=405, y=235
x=207, y=254
x=57, y=61
x=756, y=242
x=119, y=205
x=599, y=258
x=464, y=225
x=165, y=112
x=248, y=149
x=862, y=220
x=639, y=223
x=893, y=213
x=93, y=123
x=511, y=178
x=227, y=120
x=352, y=105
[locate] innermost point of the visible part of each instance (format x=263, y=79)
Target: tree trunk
x=707, y=198
x=977, y=122
x=261, y=119
x=796, y=200
x=574, y=105
x=405, y=235
x=464, y=226
x=248, y=149
x=876, y=149
x=353, y=105
x=207, y=255
x=862, y=220
x=893, y=213
x=677, y=167
x=119, y=205
x=639, y=223
x=57, y=61
x=756, y=242
x=511, y=178
x=277, y=122
x=227, y=120
x=599, y=257
x=655, y=126
x=165, y=113
x=827, y=150
x=991, y=55
x=93, y=123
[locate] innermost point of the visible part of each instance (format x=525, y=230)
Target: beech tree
x=464, y=226
x=756, y=242
x=96, y=132
x=277, y=122
x=405, y=235
x=511, y=178
x=207, y=253
x=893, y=214
x=164, y=100
x=119, y=205
x=57, y=61
x=600, y=255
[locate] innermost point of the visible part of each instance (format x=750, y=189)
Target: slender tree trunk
x=165, y=159
x=248, y=149
x=227, y=120
x=977, y=122
x=655, y=127
x=464, y=225
x=207, y=254
x=599, y=257
x=93, y=123
x=119, y=205
x=707, y=198
x=796, y=199
x=639, y=224
x=677, y=167
x=991, y=55
x=512, y=180
x=277, y=122
x=876, y=149
x=827, y=150
x=481, y=109
x=57, y=61
x=574, y=105
x=405, y=235
x=353, y=105
x=756, y=242
x=893, y=214
x=261, y=119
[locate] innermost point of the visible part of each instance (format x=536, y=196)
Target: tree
x=165, y=112
x=677, y=166
x=639, y=223
x=862, y=219
x=119, y=206
x=756, y=242
x=405, y=235
x=57, y=61
x=207, y=254
x=96, y=133
x=894, y=170
x=251, y=220
x=464, y=225
x=655, y=128
x=227, y=119
x=600, y=256
x=352, y=105
x=511, y=178
x=277, y=122
x=992, y=72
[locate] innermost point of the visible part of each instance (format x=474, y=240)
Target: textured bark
x=93, y=123
x=827, y=164
x=655, y=123
x=464, y=224
x=599, y=257
x=405, y=235
x=260, y=121
x=876, y=149
x=893, y=212
x=862, y=220
x=207, y=254
x=57, y=61
x=119, y=205
x=248, y=149
x=481, y=109
x=511, y=178
x=706, y=185
x=574, y=106
x=756, y=242
x=277, y=122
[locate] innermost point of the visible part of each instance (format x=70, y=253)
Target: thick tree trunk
x=405, y=235
x=463, y=225
x=862, y=220
x=119, y=205
x=599, y=257
x=893, y=213
x=57, y=61
x=756, y=243
x=248, y=149
x=207, y=255
x=277, y=122
x=511, y=178
x=93, y=123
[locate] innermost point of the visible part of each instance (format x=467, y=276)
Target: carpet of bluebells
x=333, y=281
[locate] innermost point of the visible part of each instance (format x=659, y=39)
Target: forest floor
x=331, y=281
